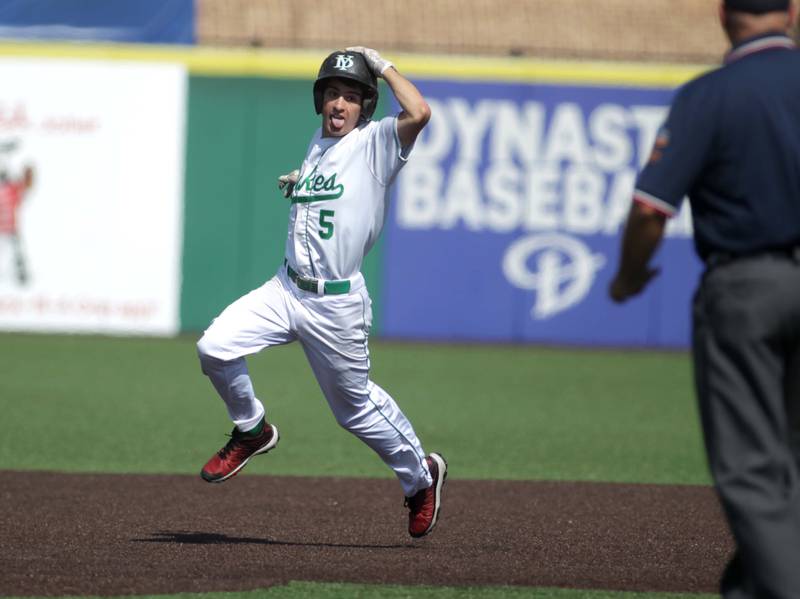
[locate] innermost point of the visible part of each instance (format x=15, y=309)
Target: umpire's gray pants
x=747, y=372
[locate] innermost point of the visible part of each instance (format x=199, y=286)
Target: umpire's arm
x=643, y=234
x=680, y=152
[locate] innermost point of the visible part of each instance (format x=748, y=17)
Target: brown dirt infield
x=69, y=534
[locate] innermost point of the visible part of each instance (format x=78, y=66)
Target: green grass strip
x=141, y=405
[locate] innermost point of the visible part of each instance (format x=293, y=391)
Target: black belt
x=720, y=258
x=312, y=285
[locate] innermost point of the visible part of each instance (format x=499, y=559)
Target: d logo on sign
x=564, y=271
x=343, y=62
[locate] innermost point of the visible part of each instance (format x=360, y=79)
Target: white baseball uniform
x=318, y=297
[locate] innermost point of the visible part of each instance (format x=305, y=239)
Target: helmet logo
x=343, y=62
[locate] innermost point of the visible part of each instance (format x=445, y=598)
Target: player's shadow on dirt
x=213, y=538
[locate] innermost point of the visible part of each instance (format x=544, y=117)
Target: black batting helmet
x=352, y=66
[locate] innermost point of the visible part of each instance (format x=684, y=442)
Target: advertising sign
x=506, y=221
x=91, y=190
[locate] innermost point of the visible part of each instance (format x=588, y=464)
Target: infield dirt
x=69, y=534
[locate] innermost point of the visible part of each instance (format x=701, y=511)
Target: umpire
x=732, y=144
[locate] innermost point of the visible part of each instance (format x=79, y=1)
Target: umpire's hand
x=625, y=287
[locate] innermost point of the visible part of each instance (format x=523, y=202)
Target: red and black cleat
x=425, y=505
x=227, y=462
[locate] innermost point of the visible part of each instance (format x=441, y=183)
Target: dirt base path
x=67, y=534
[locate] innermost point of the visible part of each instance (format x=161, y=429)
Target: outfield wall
x=504, y=226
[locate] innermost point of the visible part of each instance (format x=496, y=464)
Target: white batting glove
x=287, y=182
x=374, y=60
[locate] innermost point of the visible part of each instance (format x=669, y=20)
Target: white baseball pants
x=333, y=331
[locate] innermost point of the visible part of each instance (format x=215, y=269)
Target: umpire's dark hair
x=352, y=66
x=757, y=7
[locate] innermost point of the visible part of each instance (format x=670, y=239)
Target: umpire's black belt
x=719, y=258
x=317, y=286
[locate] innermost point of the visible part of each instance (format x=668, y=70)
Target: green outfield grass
x=501, y=412
x=307, y=590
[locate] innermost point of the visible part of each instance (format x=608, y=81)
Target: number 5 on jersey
x=326, y=222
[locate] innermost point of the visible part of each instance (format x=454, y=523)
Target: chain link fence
x=630, y=30
x=613, y=29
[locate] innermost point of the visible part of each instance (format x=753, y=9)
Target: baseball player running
x=318, y=297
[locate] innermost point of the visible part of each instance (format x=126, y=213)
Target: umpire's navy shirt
x=732, y=143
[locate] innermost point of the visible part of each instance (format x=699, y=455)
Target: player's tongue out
x=337, y=121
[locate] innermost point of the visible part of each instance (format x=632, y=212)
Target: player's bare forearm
x=643, y=234
x=416, y=112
